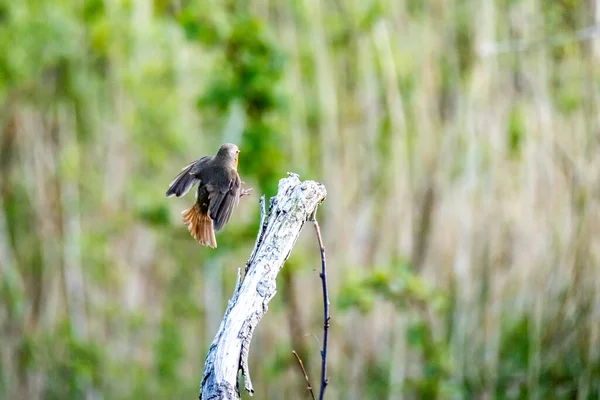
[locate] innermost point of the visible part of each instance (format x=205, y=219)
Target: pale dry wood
x=294, y=204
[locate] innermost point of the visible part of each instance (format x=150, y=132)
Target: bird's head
x=229, y=151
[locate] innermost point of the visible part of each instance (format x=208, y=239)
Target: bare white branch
x=294, y=204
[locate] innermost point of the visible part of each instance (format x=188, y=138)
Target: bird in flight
x=218, y=193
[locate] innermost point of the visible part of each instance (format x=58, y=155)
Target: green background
x=458, y=141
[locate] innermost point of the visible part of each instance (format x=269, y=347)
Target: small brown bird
x=219, y=190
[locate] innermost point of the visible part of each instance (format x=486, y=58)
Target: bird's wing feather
x=222, y=201
x=198, y=165
x=184, y=181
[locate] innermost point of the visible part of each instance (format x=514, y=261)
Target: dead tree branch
x=294, y=204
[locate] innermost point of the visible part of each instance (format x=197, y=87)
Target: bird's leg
x=245, y=191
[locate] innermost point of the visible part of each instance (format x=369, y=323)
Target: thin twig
x=261, y=232
x=309, y=387
x=238, y=283
x=323, y=276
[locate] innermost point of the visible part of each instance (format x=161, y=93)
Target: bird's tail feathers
x=200, y=226
x=182, y=183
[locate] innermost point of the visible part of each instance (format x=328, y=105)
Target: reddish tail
x=200, y=226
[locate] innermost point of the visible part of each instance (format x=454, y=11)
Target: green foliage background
x=461, y=223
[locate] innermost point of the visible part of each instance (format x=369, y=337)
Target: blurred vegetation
x=460, y=226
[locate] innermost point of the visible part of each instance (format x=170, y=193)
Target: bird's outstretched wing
x=201, y=163
x=222, y=201
x=184, y=181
